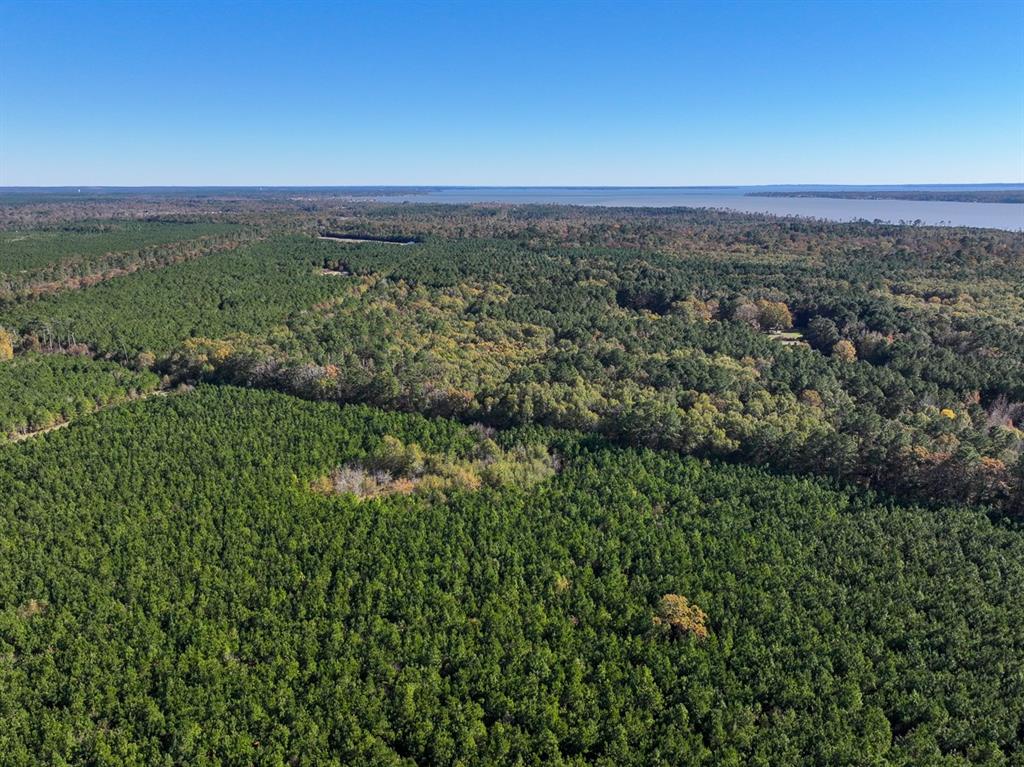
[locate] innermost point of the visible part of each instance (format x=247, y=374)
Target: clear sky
x=510, y=93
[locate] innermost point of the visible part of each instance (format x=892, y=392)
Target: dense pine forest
x=348, y=482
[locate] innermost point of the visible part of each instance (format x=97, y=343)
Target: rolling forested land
x=464, y=485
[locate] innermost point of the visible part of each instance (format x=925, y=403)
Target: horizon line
x=507, y=186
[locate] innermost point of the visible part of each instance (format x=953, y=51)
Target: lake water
x=979, y=214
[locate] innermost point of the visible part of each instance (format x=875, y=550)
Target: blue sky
x=511, y=93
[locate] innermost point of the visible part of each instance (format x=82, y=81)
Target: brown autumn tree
x=747, y=312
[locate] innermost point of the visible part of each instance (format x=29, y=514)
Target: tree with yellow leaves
x=6, y=344
x=844, y=350
x=774, y=315
x=678, y=614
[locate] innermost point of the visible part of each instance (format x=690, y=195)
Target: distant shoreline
x=922, y=205
x=377, y=189
x=1007, y=196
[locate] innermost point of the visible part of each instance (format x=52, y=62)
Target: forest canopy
x=348, y=482
x=174, y=587
x=842, y=361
